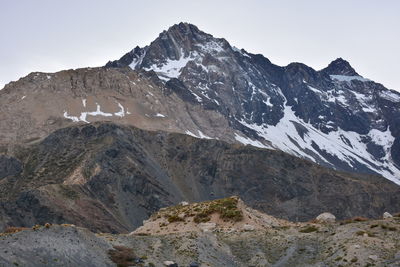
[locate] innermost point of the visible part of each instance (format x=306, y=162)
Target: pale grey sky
x=51, y=35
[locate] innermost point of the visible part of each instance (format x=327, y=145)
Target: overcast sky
x=50, y=35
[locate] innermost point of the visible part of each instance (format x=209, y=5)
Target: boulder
x=248, y=227
x=373, y=257
x=326, y=217
x=207, y=227
x=387, y=215
x=183, y=203
x=170, y=264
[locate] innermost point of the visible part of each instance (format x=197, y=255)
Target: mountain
x=171, y=237
x=191, y=118
x=71, y=149
x=334, y=116
x=188, y=81
x=109, y=178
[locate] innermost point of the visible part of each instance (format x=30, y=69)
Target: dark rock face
x=340, y=67
x=109, y=178
x=9, y=166
x=349, y=122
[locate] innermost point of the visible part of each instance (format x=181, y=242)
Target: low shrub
x=360, y=233
x=13, y=229
x=308, y=229
x=122, y=256
x=174, y=218
x=353, y=220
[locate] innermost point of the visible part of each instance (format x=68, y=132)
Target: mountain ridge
x=335, y=99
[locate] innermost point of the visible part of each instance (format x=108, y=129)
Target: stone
x=326, y=217
x=248, y=227
x=194, y=264
x=207, y=227
x=184, y=203
x=169, y=264
x=373, y=257
x=387, y=215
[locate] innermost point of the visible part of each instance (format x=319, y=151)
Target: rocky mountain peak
x=340, y=67
x=184, y=28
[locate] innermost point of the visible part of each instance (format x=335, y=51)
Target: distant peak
x=184, y=28
x=340, y=67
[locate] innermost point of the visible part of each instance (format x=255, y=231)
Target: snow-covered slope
x=333, y=116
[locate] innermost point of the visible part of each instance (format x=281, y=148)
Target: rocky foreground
x=217, y=233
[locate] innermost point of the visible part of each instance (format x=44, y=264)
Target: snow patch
x=347, y=146
x=212, y=47
x=315, y=90
x=190, y=133
x=200, y=134
x=170, y=68
x=137, y=61
x=345, y=78
x=248, y=141
x=120, y=113
x=203, y=136
x=363, y=100
x=97, y=112
x=391, y=96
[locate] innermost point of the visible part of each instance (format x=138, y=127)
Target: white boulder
x=248, y=227
x=326, y=217
x=183, y=203
x=387, y=215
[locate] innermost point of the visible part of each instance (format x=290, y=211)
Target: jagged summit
x=181, y=39
x=340, y=67
x=172, y=50
x=184, y=28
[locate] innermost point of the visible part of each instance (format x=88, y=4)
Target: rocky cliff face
x=110, y=178
x=334, y=116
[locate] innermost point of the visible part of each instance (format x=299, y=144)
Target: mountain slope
x=334, y=116
x=110, y=177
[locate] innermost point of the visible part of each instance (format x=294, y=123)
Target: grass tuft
x=308, y=229
x=122, y=256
